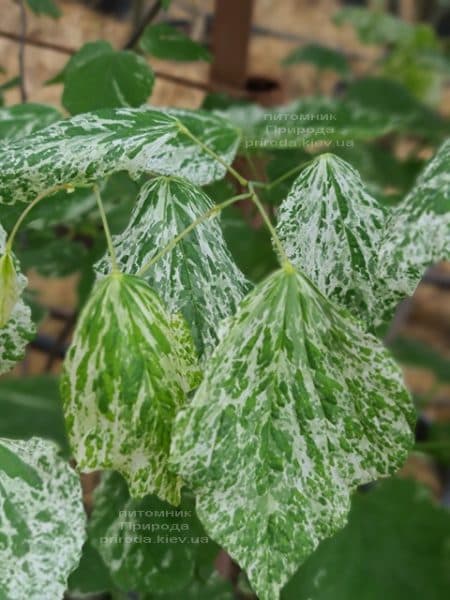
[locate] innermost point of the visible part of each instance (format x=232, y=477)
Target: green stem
x=213, y=154
x=107, y=231
x=252, y=194
x=286, y=175
x=208, y=214
x=29, y=208
x=276, y=240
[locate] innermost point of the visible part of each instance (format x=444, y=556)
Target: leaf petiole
x=106, y=230
x=29, y=208
x=212, y=212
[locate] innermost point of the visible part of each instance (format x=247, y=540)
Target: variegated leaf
x=417, y=236
x=125, y=378
x=42, y=521
x=9, y=288
x=298, y=406
x=23, y=119
x=331, y=229
x=169, y=545
x=16, y=326
x=199, y=276
x=84, y=148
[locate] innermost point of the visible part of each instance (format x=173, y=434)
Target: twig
x=151, y=15
x=23, y=35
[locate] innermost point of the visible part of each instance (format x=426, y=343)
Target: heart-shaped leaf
x=119, y=78
x=126, y=376
x=298, y=406
x=199, y=276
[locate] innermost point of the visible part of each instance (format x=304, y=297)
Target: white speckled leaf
x=23, y=119
x=417, y=235
x=89, y=146
x=331, y=228
x=298, y=406
x=199, y=276
x=42, y=521
x=17, y=329
x=125, y=377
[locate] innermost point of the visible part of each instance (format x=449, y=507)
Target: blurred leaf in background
x=321, y=57
x=166, y=42
x=98, y=76
x=47, y=8
x=395, y=546
x=31, y=406
x=406, y=46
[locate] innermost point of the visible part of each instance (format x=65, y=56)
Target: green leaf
x=375, y=27
x=371, y=108
x=87, y=53
x=16, y=327
x=52, y=254
x=417, y=235
x=321, y=57
x=251, y=248
x=10, y=288
x=214, y=588
x=297, y=407
x=42, y=521
x=393, y=100
x=44, y=7
x=415, y=353
x=198, y=277
x=320, y=120
x=331, y=229
x=281, y=163
x=31, y=406
x=23, y=119
x=87, y=147
x=396, y=546
x=125, y=377
x=166, y=42
x=129, y=532
x=118, y=78
x=91, y=576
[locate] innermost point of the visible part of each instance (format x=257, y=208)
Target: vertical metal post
x=408, y=10
x=231, y=38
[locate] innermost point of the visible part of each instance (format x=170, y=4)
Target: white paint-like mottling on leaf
x=298, y=406
x=126, y=375
x=89, y=146
x=23, y=119
x=42, y=521
x=199, y=276
x=331, y=229
x=19, y=328
x=417, y=236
